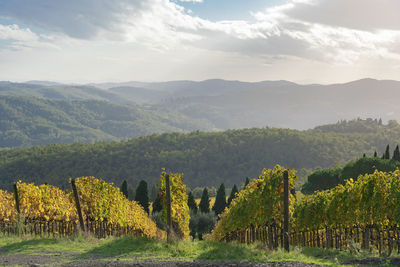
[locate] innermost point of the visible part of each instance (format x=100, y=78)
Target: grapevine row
x=260, y=203
x=179, y=208
x=371, y=200
x=100, y=201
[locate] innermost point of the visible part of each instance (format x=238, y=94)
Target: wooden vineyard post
x=169, y=220
x=16, y=197
x=286, y=210
x=17, y=207
x=78, y=205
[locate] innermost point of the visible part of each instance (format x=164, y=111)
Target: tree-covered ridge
x=206, y=159
x=27, y=121
x=329, y=178
x=234, y=104
x=61, y=92
x=368, y=125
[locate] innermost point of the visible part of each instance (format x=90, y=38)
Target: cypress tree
x=234, y=191
x=131, y=193
x=157, y=205
x=247, y=182
x=142, y=195
x=387, y=152
x=192, y=203
x=124, y=189
x=204, y=205
x=220, y=200
x=153, y=193
x=375, y=154
x=364, y=155
x=396, y=153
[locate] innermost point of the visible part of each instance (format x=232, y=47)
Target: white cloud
x=340, y=33
x=19, y=39
x=13, y=32
x=336, y=30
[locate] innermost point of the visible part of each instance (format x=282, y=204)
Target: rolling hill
x=27, y=121
x=288, y=105
x=213, y=105
x=206, y=159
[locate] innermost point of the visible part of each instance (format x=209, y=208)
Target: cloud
x=340, y=32
x=16, y=38
x=151, y=22
x=83, y=19
x=343, y=31
x=365, y=15
x=13, y=32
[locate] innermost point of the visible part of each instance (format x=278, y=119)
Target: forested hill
x=27, y=121
x=233, y=104
x=206, y=159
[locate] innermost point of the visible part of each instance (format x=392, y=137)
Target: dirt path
x=69, y=259
x=75, y=260
x=189, y=264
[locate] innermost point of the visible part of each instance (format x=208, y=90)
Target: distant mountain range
x=183, y=106
x=289, y=105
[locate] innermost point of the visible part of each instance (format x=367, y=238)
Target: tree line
x=329, y=178
x=202, y=218
x=204, y=158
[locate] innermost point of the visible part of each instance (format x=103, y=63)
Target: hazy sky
x=304, y=41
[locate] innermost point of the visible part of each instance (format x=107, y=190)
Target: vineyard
x=48, y=210
x=361, y=214
x=365, y=213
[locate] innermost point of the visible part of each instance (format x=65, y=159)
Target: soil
x=76, y=260
x=374, y=261
x=68, y=259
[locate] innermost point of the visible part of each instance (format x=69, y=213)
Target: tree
x=234, y=191
x=387, y=152
x=364, y=155
x=220, y=200
x=131, y=193
x=321, y=180
x=192, y=203
x=396, y=153
x=124, y=189
x=142, y=195
x=157, y=205
x=201, y=223
x=375, y=154
x=153, y=193
x=328, y=178
x=247, y=182
x=204, y=205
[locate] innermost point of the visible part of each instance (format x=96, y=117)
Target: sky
x=304, y=41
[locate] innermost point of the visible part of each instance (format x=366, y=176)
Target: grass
x=126, y=248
